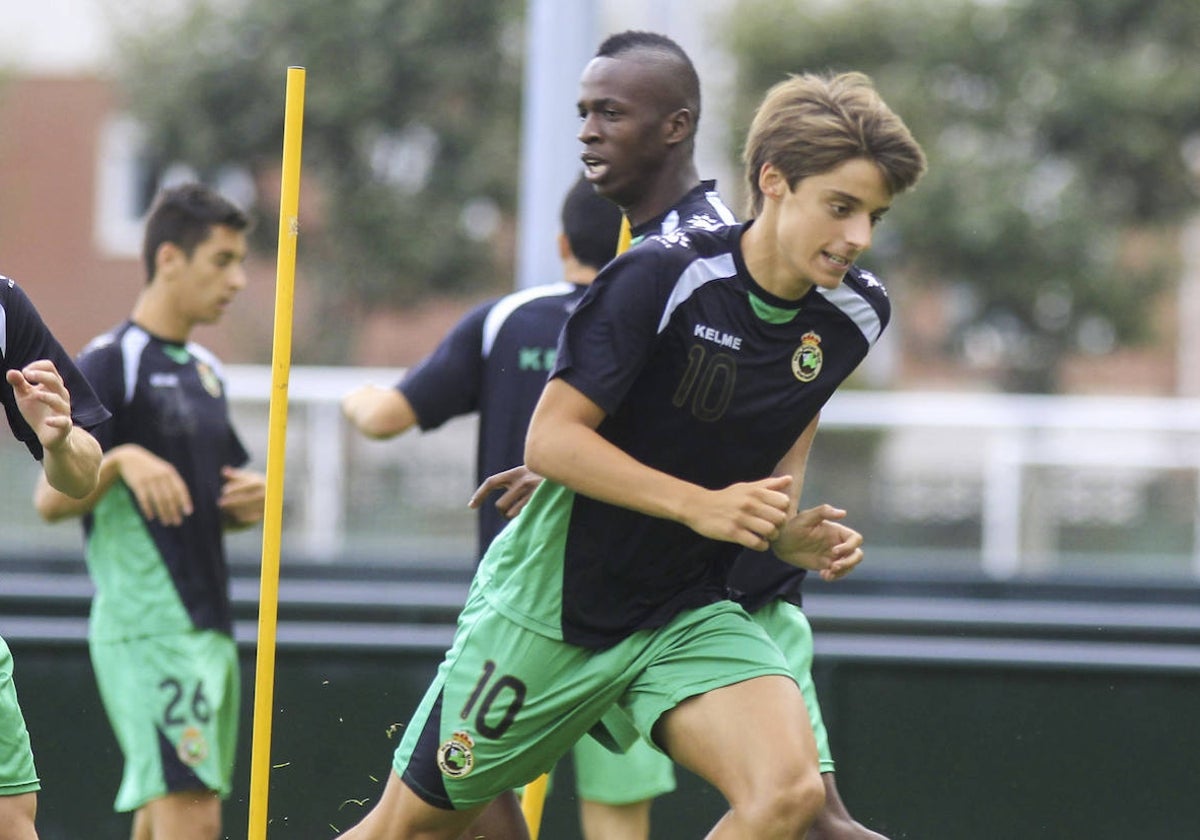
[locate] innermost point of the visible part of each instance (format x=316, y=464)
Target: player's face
x=213, y=276
x=623, y=126
x=823, y=225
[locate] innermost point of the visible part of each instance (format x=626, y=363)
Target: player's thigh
x=173, y=705
x=17, y=772
x=789, y=627
x=17, y=813
x=505, y=704
x=186, y=815
x=749, y=739
x=722, y=701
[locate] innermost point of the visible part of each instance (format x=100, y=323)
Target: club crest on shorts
x=192, y=749
x=454, y=757
x=807, y=360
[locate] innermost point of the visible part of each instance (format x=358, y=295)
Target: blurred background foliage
x=1063, y=139
x=411, y=132
x=1064, y=149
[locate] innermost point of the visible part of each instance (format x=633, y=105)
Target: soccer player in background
x=171, y=482
x=674, y=431
x=49, y=407
x=639, y=105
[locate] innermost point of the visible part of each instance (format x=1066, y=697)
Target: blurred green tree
x=411, y=131
x=1064, y=148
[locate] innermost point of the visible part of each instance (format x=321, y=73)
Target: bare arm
x=815, y=538
x=156, y=485
x=379, y=412
x=70, y=456
x=243, y=494
x=563, y=445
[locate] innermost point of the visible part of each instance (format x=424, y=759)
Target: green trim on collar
x=770, y=313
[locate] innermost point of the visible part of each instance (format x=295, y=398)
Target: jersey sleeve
x=608, y=338
x=102, y=366
x=28, y=339
x=447, y=382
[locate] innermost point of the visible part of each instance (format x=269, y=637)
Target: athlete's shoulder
x=534, y=295
x=685, y=244
x=703, y=209
x=547, y=300
x=862, y=297
x=11, y=295
x=108, y=342
x=866, y=283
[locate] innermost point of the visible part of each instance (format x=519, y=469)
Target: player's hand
x=43, y=400
x=243, y=496
x=815, y=539
x=747, y=513
x=155, y=483
x=518, y=485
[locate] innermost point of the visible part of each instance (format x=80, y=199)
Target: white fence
x=940, y=483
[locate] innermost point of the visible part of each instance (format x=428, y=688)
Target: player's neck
x=156, y=314
x=663, y=194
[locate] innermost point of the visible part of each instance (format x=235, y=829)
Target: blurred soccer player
x=49, y=406
x=171, y=481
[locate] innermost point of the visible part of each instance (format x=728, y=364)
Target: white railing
x=1128, y=439
x=1010, y=485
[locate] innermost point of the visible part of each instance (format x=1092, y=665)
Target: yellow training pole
x=281, y=355
x=533, y=801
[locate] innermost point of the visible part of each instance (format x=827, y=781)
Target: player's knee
x=788, y=805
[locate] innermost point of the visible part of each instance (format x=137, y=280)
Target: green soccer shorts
x=17, y=773
x=788, y=626
x=507, y=702
x=173, y=705
x=641, y=773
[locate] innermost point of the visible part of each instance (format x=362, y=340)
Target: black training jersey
x=759, y=577
x=495, y=361
x=24, y=338
x=702, y=374
x=170, y=399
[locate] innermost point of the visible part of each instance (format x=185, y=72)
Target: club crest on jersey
x=454, y=757
x=192, y=749
x=807, y=360
x=209, y=379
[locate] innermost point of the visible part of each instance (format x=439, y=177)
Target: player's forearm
x=72, y=466
x=579, y=458
x=795, y=461
x=378, y=413
x=54, y=505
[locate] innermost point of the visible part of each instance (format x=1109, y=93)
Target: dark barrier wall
x=950, y=751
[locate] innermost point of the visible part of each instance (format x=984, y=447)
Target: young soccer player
x=49, y=407
x=639, y=104
x=680, y=409
x=171, y=481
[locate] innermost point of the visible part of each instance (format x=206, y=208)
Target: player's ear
x=679, y=126
x=167, y=257
x=564, y=247
x=772, y=182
